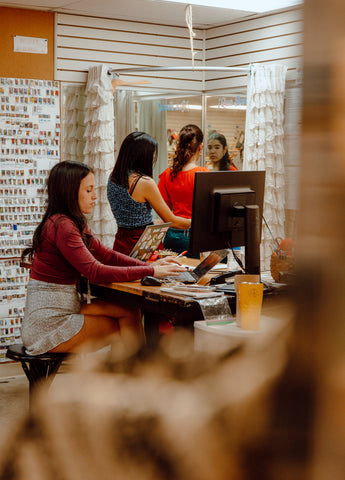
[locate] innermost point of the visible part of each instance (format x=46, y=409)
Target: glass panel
x=226, y=114
x=162, y=117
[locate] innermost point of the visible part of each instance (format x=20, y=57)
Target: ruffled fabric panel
x=264, y=146
x=73, y=125
x=99, y=148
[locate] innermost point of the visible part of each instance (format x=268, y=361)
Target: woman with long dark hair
x=176, y=183
x=218, y=152
x=133, y=194
x=56, y=317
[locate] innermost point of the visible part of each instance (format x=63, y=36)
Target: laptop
x=204, y=267
x=149, y=241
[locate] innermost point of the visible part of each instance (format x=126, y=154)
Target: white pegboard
x=29, y=147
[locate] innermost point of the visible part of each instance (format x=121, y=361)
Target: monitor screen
x=227, y=211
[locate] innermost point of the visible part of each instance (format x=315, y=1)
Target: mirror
x=225, y=114
x=162, y=115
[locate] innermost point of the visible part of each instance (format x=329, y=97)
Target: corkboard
x=27, y=23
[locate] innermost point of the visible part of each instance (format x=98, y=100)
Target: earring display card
x=29, y=148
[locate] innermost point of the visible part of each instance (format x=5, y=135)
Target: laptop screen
x=209, y=262
x=149, y=241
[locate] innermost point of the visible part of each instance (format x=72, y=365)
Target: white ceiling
x=156, y=11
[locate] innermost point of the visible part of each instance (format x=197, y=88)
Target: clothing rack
x=118, y=71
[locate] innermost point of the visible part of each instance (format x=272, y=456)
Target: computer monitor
x=227, y=213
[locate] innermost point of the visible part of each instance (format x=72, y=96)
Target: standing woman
x=64, y=248
x=176, y=183
x=218, y=153
x=132, y=192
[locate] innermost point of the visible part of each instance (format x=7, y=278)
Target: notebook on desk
x=204, y=267
x=149, y=241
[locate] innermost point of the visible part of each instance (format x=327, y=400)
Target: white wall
x=270, y=38
x=81, y=42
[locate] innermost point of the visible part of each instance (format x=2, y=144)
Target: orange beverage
x=250, y=303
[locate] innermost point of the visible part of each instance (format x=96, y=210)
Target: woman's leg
x=128, y=318
x=102, y=321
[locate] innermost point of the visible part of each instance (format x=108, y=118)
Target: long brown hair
x=188, y=142
x=63, y=187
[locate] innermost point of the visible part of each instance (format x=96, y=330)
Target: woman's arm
x=163, y=190
x=119, y=269
x=147, y=190
x=111, y=257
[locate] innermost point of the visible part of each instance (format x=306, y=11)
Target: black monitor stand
x=252, y=239
x=251, y=215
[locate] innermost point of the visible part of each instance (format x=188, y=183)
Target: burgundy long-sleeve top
x=63, y=257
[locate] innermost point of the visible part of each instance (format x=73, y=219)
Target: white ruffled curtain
x=124, y=110
x=264, y=147
x=99, y=147
x=73, y=125
x=153, y=120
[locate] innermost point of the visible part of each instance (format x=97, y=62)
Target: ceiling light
x=244, y=5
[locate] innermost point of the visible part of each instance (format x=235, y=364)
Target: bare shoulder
x=144, y=189
x=138, y=176
x=146, y=181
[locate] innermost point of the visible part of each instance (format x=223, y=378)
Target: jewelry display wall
x=29, y=148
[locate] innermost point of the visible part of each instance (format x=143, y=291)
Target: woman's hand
x=169, y=269
x=167, y=261
x=167, y=266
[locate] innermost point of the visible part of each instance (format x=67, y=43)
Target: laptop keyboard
x=182, y=277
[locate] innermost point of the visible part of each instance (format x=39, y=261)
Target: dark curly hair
x=189, y=139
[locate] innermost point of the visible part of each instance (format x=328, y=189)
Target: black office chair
x=37, y=368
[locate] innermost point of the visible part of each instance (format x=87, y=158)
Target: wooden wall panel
x=27, y=23
x=269, y=38
x=82, y=42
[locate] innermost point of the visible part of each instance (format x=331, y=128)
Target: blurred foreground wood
x=275, y=414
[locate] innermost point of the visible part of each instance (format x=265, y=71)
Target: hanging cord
x=189, y=22
x=275, y=245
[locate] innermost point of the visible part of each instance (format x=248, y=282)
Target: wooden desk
x=158, y=305
x=154, y=304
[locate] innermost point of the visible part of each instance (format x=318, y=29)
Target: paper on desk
x=220, y=266
x=192, y=294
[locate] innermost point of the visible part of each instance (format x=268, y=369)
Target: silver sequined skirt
x=51, y=316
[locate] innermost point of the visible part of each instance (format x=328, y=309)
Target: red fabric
x=126, y=238
x=178, y=193
x=233, y=167
x=63, y=256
